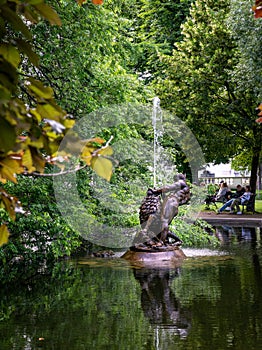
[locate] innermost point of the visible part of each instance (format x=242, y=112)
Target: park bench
x=250, y=204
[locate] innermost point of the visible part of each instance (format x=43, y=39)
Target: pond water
x=212, y=301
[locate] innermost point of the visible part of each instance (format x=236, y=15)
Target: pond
x=212, y=301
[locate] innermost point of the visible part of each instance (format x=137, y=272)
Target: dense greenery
x=213, y=81
x=87, y=59
x=207, y=72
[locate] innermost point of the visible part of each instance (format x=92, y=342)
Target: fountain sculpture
x=158, y=209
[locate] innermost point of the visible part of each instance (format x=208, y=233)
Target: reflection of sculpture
x=156, y=215
x=159, y=302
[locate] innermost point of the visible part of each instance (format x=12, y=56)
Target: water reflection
x=213, y=301
x=229, y=234
x=159, y=302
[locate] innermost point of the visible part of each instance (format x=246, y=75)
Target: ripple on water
x=202, y=252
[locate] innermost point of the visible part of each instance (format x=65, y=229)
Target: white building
x=215, y=173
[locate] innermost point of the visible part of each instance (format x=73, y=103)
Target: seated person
x=235, y=202
x=222, y=194
x=239, y=191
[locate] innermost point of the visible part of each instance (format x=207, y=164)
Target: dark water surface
x=213, y=301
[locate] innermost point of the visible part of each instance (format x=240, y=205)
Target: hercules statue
x=157, y=211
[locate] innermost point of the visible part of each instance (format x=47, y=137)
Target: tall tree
x=202, y=89
x=87, y=60
x=32, y=123
x=157, y=26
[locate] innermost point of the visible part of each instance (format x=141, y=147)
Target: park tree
x=247, y=75
x=203, y=89
x=32, y=122
x=88, y=59
x=157, y=26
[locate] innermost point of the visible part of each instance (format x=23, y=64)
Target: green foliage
x=158, y=28
x=39, y=235
x=241, y=162
x=31, y=122
x=197, y=234
x=247, y=32
x=87, y=60
x=200, y=86
x=27, y=126
x=87, y=63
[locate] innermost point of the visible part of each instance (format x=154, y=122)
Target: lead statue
x=157, y=211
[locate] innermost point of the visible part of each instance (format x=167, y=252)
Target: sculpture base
x=166, y=255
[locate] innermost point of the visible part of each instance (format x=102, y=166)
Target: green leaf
x=35, y=2
x=8, y=75
x=8, y=136
x=38, y=88
x=31, y=15
x=16, y=21
x=48, y=13
x=5, y=94
x=10, y=54
x=4, y=234
x=26, y=48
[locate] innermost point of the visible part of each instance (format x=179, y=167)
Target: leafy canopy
x=32, y=124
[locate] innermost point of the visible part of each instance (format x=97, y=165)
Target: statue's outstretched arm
x=177, y=186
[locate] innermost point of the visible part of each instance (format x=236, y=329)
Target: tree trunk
x=254, y=169
x=260, y=178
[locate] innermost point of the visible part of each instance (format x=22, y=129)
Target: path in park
x=244, y=220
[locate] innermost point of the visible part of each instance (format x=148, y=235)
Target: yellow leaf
x=38, y=88
x=102, y=166
x=69, y=123
x=108, y=151
x=4, y=234
x=9, y=168
x=86, y=154
x=36, y=115
x=28, y=161
x=37, y=143
x=49, y=112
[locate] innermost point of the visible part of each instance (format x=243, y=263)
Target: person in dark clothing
x=239, y=191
